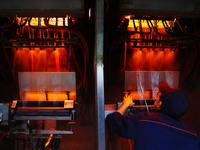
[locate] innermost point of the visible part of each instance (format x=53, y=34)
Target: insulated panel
x=150, y=79
x=43, y=84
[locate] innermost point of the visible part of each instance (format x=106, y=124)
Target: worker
x=156, y=130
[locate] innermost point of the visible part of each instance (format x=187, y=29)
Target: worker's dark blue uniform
x=153, y=131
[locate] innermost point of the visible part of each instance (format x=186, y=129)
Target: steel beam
x=99, y=74
x=49, y=8
x=169, y=8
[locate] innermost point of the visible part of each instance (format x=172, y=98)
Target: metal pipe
x=45, y=132
x=154, y=40
x=36, y=46
x=163, y=47
x=99, y=74
x=10, y=40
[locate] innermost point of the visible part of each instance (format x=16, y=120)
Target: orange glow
x=32, y=63
x=49, y=139
x=89, y=13
x=57, y=61
x=69, y=104
x=33, y=96
x=141, y=57
x=40, y=108
x=149, y=60
x=72, y=95
x=57, y=96
x=125, y=49
x=45, y=60
x=144, y=24
x=138, y=94
x=43, y=96
x=35, y=21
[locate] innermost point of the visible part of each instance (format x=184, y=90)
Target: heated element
x=47, y=60
x=150, y=44
x=43, y=96
x=47, y=86
x=46, y=45
x=35, y=21
x=89, y=13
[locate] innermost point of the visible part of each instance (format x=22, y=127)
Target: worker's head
x=174, y=101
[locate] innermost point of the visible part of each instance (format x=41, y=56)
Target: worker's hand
x=157, y=103
x=128, y=101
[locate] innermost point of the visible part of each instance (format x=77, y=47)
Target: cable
x=13, y=24
x=3, y=27
x=3, y=46
x=1, y=139
x=85, y=63
x=155, y=29
x=140, y=25
x=129, y=143
x=29, y=23
x=83, y=41
x=77, y=68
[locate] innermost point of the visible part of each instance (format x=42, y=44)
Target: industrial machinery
x=42, y=103
x=41, y=48
x=149, y=50
x=153, y=42
x=143, y=87
x=55, y=54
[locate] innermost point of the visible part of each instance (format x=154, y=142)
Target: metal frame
x=178, y=8
x=99, y=74
x=43, y=42
x=11, y=8
x=45, y=132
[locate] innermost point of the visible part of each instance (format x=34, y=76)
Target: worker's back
x=153, y=131
x=158, y=131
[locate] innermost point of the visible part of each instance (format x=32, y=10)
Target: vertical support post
x=99, y=74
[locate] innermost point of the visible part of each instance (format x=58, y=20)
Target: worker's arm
x=124, y=126
x=127, y=102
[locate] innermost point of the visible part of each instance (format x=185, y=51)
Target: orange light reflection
x=33, y=96
x=49, y=139
x=43, y=96
x=57, y=96
x=46, y=60
x=149, y=59
x=35, y=21
x=57, y=61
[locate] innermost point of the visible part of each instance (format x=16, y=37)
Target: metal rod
x=36, y=46
x=157, y=47
x=43, y=118
x=99, y=74
x=153, y=40
x=153, y=18
x=45, y=132
x=143, y=93
x=38, y=39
